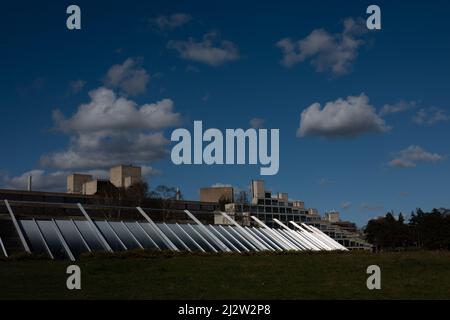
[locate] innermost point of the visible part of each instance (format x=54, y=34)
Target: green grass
x=149, y=275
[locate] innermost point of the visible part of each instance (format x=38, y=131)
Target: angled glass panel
x=183, y=237
x=73, y=239
x=236, y=242
x=260, y=239
x=252, y=241
x=110, y=236
x=207, y=237
x=51, y=237
x=3, y=252
x=34, y=239
x=141, y=236
x=222, y=238
x=169, y=234
x=268, y=234
x=195, y=237
x=154, y=235
x=268, y=240
x=233, y=231
x=124, y=235
x=89, y=235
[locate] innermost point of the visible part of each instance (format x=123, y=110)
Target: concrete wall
x=118, y=175
x=75, y=182
x=214, y=194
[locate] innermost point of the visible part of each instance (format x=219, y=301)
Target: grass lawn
x=149, y=275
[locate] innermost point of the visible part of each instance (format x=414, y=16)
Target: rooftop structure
x=121, y=176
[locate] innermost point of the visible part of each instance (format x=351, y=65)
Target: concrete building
x=217, y=194
x=332, y=216
x=124, y=176
x=267, y=207
x=119, y=177
x=76, y=181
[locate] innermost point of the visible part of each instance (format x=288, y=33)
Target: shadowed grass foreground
x=157, y=275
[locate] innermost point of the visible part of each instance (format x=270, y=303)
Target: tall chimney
x=30, y=182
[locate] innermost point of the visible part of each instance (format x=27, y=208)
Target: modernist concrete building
x=272, y=209
x=121, y=176
x=217, y=194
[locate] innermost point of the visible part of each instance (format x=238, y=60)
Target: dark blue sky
x=404, y=68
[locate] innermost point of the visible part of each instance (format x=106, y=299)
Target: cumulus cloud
x=411, y=156
x=347, y=117
x=398, y=107
x=257, y=123
x=169, y=22
x=327, y=52
x=211, y=51
x=129, y=77
x=371, y=207
x=110, y=130
x=430, y=116
x=220, y=185
x=55, y=181
x=76, y=86
x=41, y=180
x=346, y=205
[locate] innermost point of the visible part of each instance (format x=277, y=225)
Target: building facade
x=266, y=207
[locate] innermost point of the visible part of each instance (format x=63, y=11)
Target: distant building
x=267, y=207
x=217, y=194
x=332, y=216
x=119, y=177
x=125, y=176
x=76, y=181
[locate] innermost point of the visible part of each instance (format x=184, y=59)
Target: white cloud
x=371, y=207
x=398, y=107
x=348, y=117
x=168, y=22
x=220, y=185
x=411, y=156
x=257, y=123
x=346, y=205
x=110, y=130
x=129, y=77
x=327, y=52
x=212, y=50
x=430, y=116
x=76, y=86
x=57, y=180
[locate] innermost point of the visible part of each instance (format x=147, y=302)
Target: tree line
x=423, y=230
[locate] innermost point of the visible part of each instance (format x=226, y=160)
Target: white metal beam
x=220, y=244
x=18, y=229
x=157, y=230
x=287, y=245
x=81, y=236
x=259, y=246
x=95, y=229
x=314, y=238
x=2, y=246
x=190, y=238
x=302, y=240
x=43, y=239
x=63, y=241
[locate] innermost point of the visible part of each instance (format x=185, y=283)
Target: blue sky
x=393, y=155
